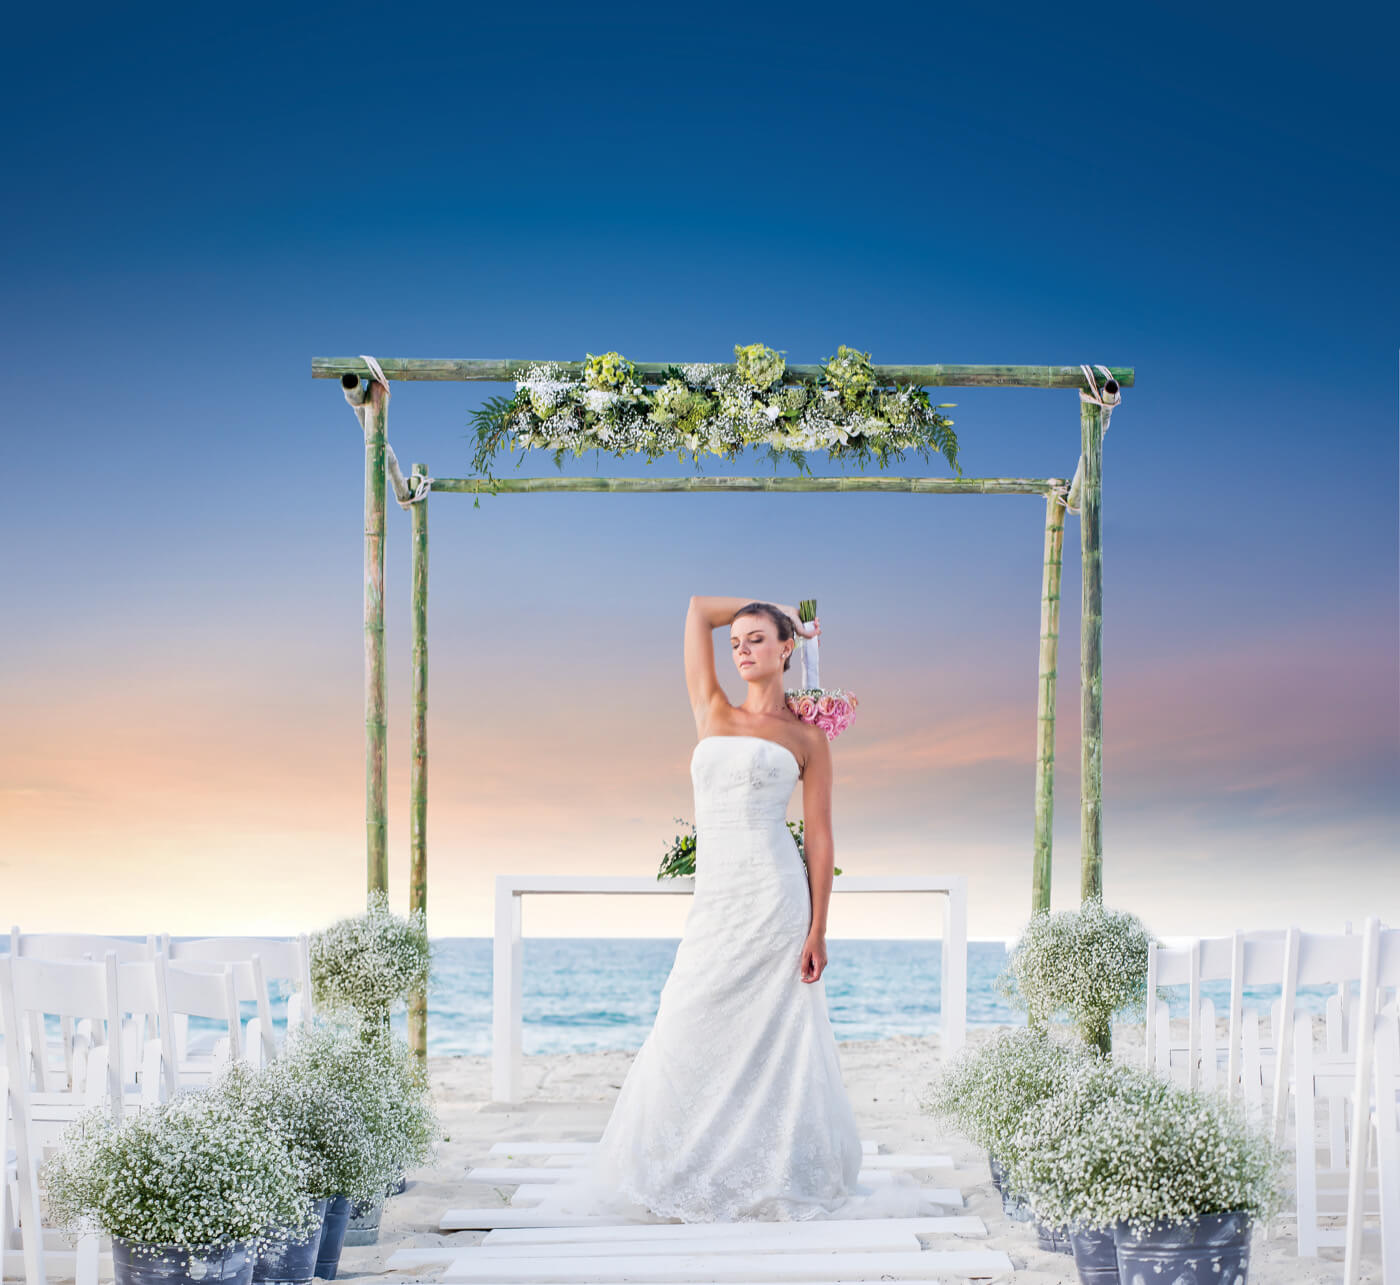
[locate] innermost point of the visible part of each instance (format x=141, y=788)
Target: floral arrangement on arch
x=713, y=408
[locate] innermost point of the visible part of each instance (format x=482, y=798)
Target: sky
x=201, y=199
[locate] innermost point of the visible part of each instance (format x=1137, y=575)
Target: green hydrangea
x=759, y=366
x=611, y=371
x=672, y=402
x=851, y=374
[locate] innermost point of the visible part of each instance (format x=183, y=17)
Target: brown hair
x=779, y=618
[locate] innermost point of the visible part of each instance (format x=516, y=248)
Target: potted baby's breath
x=387, y=1088
x=986, y=1091
x=329, y=1141
x=1148, y=1175
x=186, y=1190
x=371, y=962
x=1087, y=964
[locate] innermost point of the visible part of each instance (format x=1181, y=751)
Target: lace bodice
x=740, y=780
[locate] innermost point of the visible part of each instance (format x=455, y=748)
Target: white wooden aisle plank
x=877, y=1239
x=927, y=1225
x=534, y=1193
x=531, y=1193
x=580, y=1147
x=516, y=1215
x=870, y=1173
x=566, y=1269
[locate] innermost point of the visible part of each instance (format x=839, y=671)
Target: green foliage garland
x=717, y=409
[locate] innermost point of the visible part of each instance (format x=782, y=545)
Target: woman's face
x=756, y=647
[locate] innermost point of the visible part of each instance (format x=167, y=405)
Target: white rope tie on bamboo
x=406, y=491
x=376, y=372
x=1106, y=401
x=421, y=486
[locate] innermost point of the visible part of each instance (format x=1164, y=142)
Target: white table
x=507, y=958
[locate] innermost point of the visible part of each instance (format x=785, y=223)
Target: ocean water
x=582, y=994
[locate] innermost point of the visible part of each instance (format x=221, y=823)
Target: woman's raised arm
x=704, y=616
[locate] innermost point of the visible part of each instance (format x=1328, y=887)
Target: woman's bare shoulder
x=814, y=743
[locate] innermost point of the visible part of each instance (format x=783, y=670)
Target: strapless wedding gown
x=733, y=1108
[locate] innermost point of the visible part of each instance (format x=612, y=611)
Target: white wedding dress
x=733, y=1108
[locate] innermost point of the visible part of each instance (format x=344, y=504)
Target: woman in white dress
x=734, y=1108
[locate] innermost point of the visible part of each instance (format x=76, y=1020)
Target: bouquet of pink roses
x=830, y=708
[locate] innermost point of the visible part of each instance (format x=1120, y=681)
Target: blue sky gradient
x=203, y=199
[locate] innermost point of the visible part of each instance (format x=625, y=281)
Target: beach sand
x=570, y=1096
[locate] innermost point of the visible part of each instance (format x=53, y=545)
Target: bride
x=733, y=1108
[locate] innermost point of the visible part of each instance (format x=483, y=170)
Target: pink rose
x=828, y=725
x=826, y=704
x=806, y=708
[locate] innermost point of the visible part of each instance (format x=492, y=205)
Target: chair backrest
x=254, y=961
x=30, y=990
x=200, y=989
x=92, y=946
x=1243, y=959
x=1332, y=959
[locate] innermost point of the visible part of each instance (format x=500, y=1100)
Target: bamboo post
x=418, y=735
x=1045, y=702
x=376, y=415
x=1091, y=655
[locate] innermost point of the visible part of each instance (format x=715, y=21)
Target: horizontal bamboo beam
x=938, y=485
x=504, y=371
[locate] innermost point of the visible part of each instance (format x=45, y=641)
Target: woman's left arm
x=820, y=850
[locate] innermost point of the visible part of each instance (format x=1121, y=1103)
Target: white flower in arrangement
x=700, y=374
x=548, y=386
x=598, y=399
x=773, y=412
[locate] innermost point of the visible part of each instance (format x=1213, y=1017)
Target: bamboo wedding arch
x=365, y=382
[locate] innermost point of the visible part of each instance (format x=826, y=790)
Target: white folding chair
x=1311, y=959
x=205, y=991
x=41, y=1101
x=1244, y=959
x=92, y=946
x=255, y=961
x=1377, y=1052
x=1193, y=1062
x=1386, y=1078
x=1332, y=1089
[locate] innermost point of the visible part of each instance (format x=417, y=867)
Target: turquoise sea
x=584, y=993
